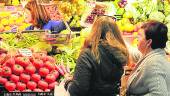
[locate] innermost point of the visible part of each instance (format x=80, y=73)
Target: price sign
x=25, y=52
x=91, y=4
x=10, y=8
x=26, y=93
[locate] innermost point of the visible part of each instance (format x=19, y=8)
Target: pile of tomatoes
x=36, y=73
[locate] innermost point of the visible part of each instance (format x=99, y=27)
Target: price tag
x=91, y=4
x=25, y=52
x=10, y=8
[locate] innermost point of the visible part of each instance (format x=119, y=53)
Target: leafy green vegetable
x=168, y=25
x=26, y=40
x=120, y=11
x=167, y=19
x=159, y=16
x=166, y=8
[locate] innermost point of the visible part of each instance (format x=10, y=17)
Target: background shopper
x=151, y=76
x=100, y=65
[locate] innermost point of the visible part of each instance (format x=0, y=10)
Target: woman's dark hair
x=156, y=31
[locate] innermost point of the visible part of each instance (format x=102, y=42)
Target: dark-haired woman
x=151, y=76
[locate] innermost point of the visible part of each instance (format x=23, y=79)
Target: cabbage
x=166, y=8
x=159, y=16
x=167, y=19
x=168, y=25
x=168, y=43
x=120, y=11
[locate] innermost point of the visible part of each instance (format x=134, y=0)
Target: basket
x=59, y=38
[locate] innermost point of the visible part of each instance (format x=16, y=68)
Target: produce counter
x=26, y=67
x=128, y=15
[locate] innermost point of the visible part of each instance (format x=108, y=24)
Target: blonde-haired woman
x=100, y=65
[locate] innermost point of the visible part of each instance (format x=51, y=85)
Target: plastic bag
x=60, y=90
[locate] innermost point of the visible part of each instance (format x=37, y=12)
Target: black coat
x=98, y=79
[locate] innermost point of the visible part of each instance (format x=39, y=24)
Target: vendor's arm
x=55, y=26
x=31, y=27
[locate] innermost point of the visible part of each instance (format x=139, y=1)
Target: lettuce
x=167, y=19
x=168, y=25
x=156, y=15
x=166, y=8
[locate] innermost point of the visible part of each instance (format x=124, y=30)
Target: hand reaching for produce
x=68, y=77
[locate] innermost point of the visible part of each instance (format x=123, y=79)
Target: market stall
x=37, y=46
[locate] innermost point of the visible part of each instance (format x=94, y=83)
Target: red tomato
x=21, y=86
x=1, y=71
x=14, y=78
x=55, y=72
x=43, y=72
x=36, y=55
x=51, y=59
x=42, y=85
x=10, y=62
x=30, y=69
x=47, y=90
x=31, y=85
x=17, y=69
x=52, y=85
x=35, y=77
x=31, y=59
x=49, y=65
x=3, y=80
x=50, y=78
x=23, y=61
x=10, y=86
x=38, y=63
x=37, y=90
x=2, y=58
x=43, y=57
x=27, y=90
x=6, y=71
x=24, y=77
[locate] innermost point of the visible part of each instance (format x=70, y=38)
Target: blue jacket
x=52, y=25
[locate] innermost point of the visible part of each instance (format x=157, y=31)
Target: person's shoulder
x=55, y=21
x=85, y=51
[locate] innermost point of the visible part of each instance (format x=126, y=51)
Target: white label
x=25, y=52
x=91, y=4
